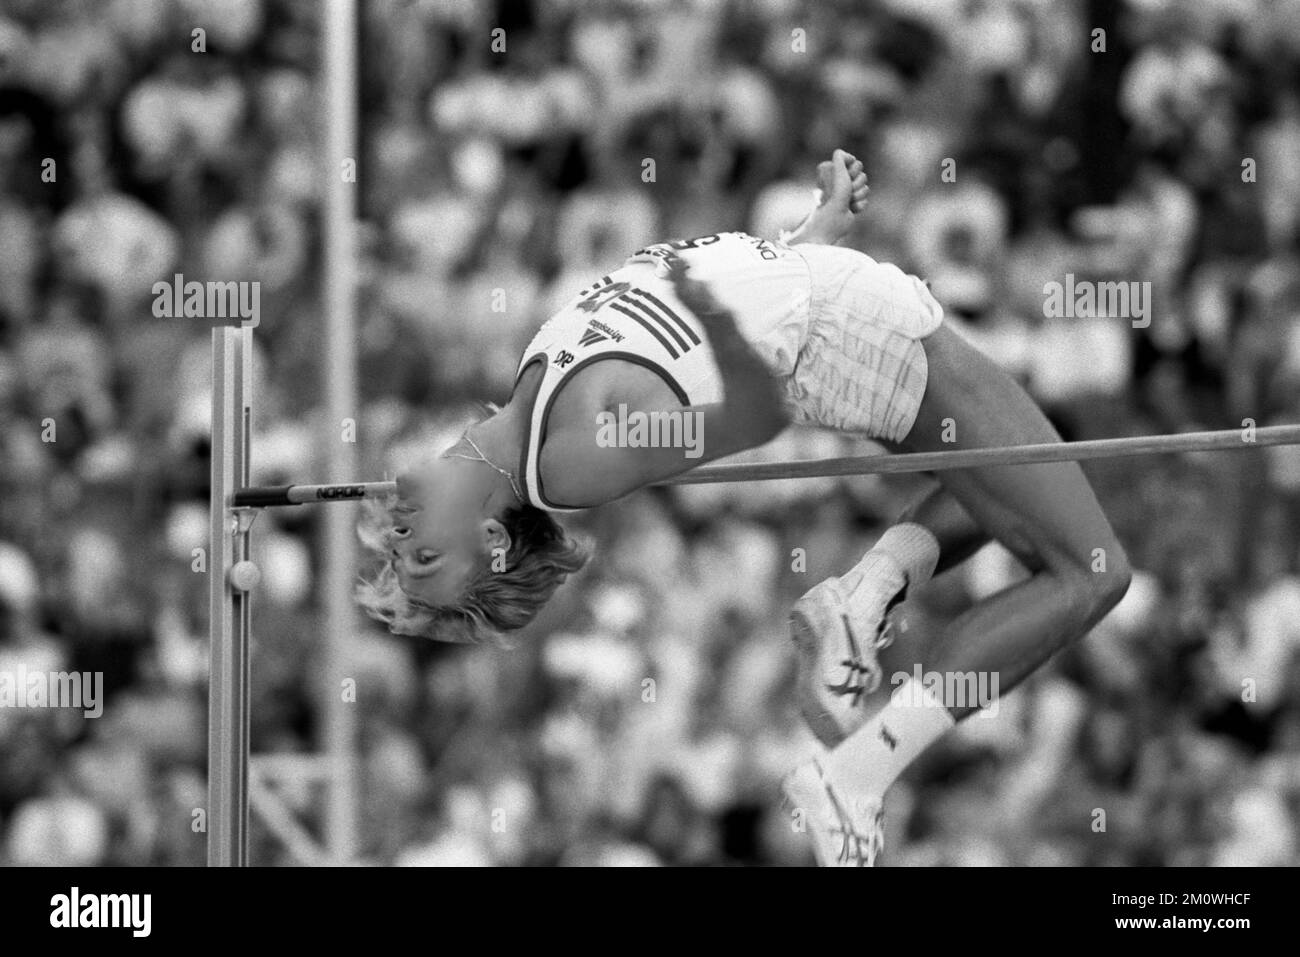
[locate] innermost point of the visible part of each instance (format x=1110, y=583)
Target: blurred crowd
x=646, y=717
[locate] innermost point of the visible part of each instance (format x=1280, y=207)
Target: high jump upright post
x=231, y=574
x=339, y=390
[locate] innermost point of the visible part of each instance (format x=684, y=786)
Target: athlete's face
x=444, y=535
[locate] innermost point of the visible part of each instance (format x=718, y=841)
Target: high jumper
x=750, y=335
x=753, y=335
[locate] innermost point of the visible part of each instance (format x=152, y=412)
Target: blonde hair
x=541, y=556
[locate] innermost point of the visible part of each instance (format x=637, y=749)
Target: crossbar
x=880, y=464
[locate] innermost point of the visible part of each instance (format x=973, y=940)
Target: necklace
x=480, y=457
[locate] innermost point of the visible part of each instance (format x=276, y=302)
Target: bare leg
x=1047, y=515
x=959, y=535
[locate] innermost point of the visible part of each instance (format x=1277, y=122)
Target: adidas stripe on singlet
x=633, y=314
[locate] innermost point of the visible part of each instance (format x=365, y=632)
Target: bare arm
x=753, y=411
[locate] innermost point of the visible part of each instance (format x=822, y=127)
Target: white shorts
x=861, y=367
x=842, y=330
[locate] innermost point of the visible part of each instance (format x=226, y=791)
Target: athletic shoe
x=838, y=628
x=842, y=836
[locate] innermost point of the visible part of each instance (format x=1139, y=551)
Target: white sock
x=914, y=548
x=903, y=558
x=869, y=760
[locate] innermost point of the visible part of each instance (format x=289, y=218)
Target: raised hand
x=842, y=183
